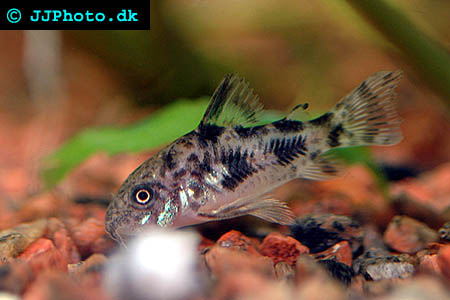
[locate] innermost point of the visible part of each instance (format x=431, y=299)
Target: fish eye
x=142, y=195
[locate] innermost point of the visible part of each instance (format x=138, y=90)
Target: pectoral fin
x=266, y=208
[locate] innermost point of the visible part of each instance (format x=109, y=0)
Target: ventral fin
x=233, y=104
x=322, y=167
x=266, y=208
x=274, y=211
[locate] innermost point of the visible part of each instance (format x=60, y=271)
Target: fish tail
x=366, y=116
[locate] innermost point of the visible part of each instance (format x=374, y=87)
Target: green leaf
x=430, y=58
x=160, y=128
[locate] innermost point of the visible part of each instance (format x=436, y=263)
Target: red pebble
x=236, y=240
x=58, y=285
x=86, y=234
x=221, y=261
x=282, y=248
x=39, y=246
x=204, y=244
x=58, y=232
x=43, y=255
x=443, y=261
x=15, y=276
x=50, y=259
x=428, y=263
x=103, y=245
x=242, y=285
x=407, y=235
x=65, y=244
x=341, y=252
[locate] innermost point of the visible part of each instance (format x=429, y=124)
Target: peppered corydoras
x=227, y=165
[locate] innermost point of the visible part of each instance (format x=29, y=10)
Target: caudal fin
x=367, y=115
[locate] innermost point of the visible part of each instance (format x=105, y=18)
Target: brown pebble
x=403, y=204
x=377, y=264
x=444, y=232
x=356, y=289
x=53, y=225
x=306, y=267
x=430, y=190
x=282, y=248
x=284, y=271
x=319, y=289
x=13, y=241
x=383, y=267
x=93, y=263
x=314, y=282
x=407, y=235
x=44, y=205
x=319, y=232
x=15, y=276
x=389, y=270
x=420, y=288
x=379, y=288
x=11, y=244
x=356, y=193
x=338, y=270
x=244, y=285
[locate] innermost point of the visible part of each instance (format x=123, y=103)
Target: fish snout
x=111, y=224
x=115, y=219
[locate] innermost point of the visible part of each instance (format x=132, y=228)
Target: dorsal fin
x=233, y=103
x=299, y=113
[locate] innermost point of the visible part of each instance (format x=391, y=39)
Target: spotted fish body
x=225, y=167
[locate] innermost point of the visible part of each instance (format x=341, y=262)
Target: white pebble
x=158, y=264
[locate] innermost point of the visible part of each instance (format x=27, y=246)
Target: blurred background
x=54, y=85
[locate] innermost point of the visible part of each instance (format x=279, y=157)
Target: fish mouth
x=113, y=231
x=114, y=225
x=122, y=234
x=122, y=229
x=123, y=238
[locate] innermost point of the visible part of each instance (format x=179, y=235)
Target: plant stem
x=429, y=57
